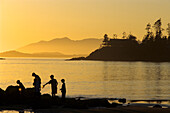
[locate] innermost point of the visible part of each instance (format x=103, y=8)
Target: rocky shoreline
x=15, y=99
x=12, y=99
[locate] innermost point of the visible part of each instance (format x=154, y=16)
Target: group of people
x=37, y=85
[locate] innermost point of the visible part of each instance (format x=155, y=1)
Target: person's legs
x=63, y=95
x=53, y=95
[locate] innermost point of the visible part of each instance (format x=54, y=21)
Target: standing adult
x=37, y=84
x=54, y=84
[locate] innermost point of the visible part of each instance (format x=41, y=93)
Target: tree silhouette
x=131, y=37
x=168, y=29
x=150, y=41
x=106, y=38
x=148, y=28
x=158, y=29
x=124, y=35
x=114, y=36
x=149, y=37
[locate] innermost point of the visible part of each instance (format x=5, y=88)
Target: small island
x=154, y=47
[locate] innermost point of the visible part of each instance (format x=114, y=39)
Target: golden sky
x=27, y=21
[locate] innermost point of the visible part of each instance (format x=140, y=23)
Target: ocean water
x=91, y=79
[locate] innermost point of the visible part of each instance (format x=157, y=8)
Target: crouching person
x=21, y=87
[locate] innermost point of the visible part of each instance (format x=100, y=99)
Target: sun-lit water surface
x=92, y=79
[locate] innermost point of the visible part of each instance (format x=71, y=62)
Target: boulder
x=2, y=92
x=12, y=91
x=29, y=92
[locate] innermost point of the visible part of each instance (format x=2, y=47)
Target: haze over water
x=92, y=79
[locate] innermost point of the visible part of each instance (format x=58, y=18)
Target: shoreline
x=85, y=59
x=129, y=109
x=120, y=109
x=48, y=104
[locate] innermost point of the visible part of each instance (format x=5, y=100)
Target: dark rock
x=12, y=91
x=123, y=100
x=29, y=93
x=78, y=58
x=157, y=106
x=2, y=92
x=96, y=102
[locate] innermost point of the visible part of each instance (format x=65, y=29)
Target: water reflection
x=136, y=78
x=132, y=80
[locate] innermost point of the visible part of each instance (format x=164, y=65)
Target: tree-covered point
x=153, y=37
x=155, y=47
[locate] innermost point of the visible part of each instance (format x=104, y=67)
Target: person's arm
x=47, y=83
x=22, y=86
x=61, y=88
x=56, y=83
x=34, y=82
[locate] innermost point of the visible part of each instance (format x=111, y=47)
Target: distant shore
x=86, y=59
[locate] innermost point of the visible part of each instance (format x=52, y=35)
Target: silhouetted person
x=54, y=84
x=37, y=84
x=21, y=86
x=63, y=89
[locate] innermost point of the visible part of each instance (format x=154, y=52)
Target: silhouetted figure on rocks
x=37, y=84
x=54, y=84
x=63, y=89
x=21, y=86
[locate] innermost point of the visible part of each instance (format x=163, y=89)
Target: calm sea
x=92, y=79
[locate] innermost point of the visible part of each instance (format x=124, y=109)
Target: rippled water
x=92, y=79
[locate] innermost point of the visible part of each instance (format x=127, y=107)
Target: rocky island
x=154, y=47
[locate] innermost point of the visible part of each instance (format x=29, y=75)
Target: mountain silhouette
x=63, y=45
x=14, y=53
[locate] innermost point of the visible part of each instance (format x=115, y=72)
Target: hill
x=14, y=54
x=42, y=54
x=63, y=45
x=131, y=50
x=155, y=47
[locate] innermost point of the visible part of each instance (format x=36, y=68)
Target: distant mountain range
x=59, y=47
x=43, y=54
x=63, y=45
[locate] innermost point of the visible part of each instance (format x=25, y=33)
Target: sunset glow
x=101, y=56
x=27, y=21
